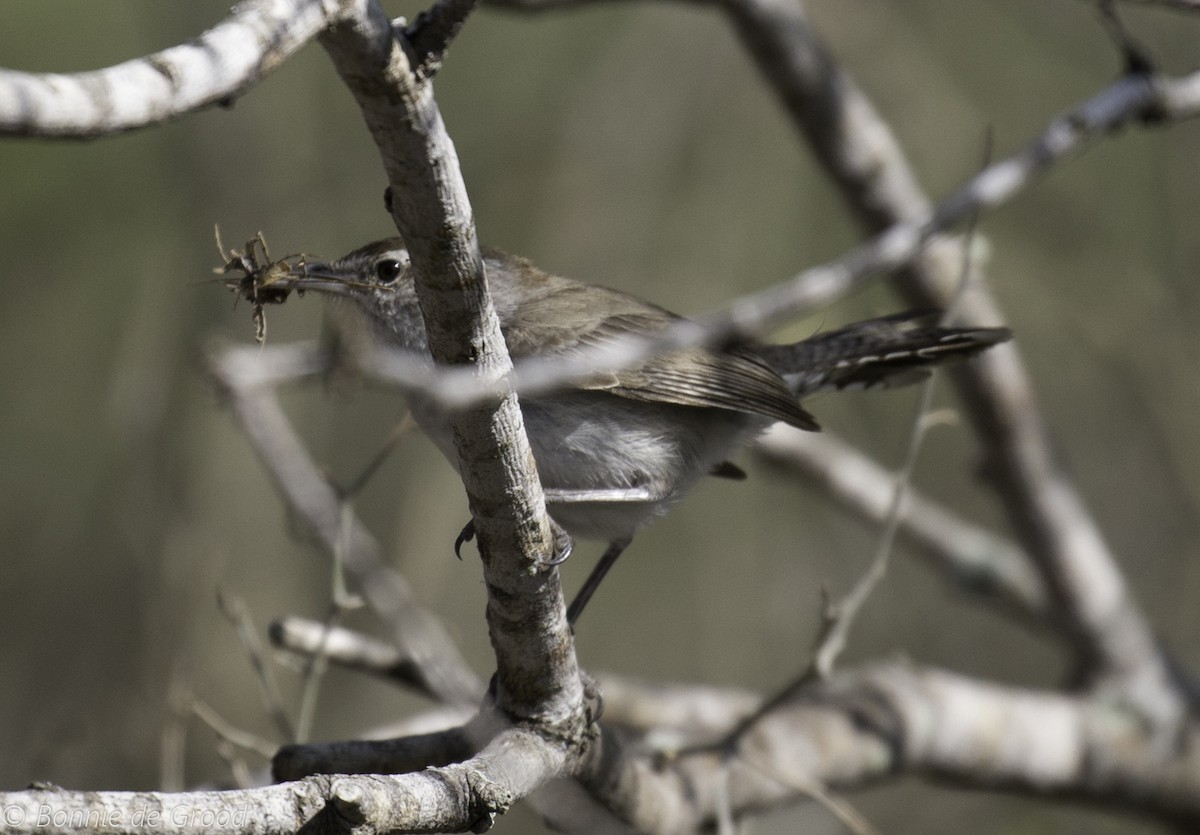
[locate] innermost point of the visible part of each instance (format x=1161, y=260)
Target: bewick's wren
x=623, y=447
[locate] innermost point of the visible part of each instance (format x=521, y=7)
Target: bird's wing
x=568, y=318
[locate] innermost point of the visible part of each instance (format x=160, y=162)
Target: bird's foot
x=465, y=535
x=563, y=545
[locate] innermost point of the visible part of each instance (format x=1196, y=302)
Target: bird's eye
x=388, y=271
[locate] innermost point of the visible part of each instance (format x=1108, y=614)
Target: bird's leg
x=562, y=540
x=616, y=547
x=557, y=495
x=614, y=550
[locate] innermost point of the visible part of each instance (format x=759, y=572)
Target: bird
x=620, y=447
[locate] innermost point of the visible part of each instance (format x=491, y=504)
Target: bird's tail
x=893, y=350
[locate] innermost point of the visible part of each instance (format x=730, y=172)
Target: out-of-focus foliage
x=631, y=144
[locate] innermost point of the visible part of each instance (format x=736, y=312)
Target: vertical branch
x=387, y=73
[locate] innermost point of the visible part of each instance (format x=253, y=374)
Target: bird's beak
x=272, y=283
x=321, y=276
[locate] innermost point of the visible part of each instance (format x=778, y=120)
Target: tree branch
x=861, y=726
x=215, y=68
x=433, y=30
x=353, y=651
x=455, y=798
x=401, y=755
x=304, y=488
x=871, y=723
x=858, y=726
x=1114, y=643
x=537, y=672
x=974, y=559
x=695, y=710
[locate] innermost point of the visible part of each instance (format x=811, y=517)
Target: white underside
x=587, y=444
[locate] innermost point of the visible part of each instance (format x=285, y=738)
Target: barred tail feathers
x=889, y=351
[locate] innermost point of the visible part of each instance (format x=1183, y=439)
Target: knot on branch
x=488, y=799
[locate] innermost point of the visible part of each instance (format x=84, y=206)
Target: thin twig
x=432, y=32
x=239, y=769
x=350, y=650
x=839, y=807
x=975, y=559
x=842, y=615
x=838, y=618
x=234, y=736
x=310, y=497
x=173, y=742
x=722, y=803
x=340, y=602
x=405, y=425
x=237, y=613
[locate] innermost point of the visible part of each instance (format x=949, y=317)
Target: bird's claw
x=563, y=545
x=465, y=535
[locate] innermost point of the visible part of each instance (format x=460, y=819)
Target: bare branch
x=388, y=756
x=537, y=673
x=456, y=798
x=352, y=650
x=215, y=68
x=1176, y=98
x=840, y=617
x=860, y=726
x=236, y=612
x=305, y=489
x=691, y=711
x=974, y=559
x=872, y=723
x=236, y=736
x=433, y=30
x=277, y=809
x=1112, y=638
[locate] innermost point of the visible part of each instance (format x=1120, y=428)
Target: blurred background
x=629, y=144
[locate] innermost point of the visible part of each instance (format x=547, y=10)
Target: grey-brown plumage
x=560, y=316
x=622, y=446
